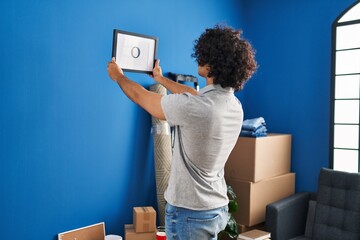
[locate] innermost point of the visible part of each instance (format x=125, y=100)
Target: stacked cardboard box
x=258, y=169
x=144, y=224
x=254, y=235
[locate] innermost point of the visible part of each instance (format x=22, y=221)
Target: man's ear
x=207, y=66
x=208, y=69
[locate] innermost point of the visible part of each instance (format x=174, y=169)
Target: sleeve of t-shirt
x=176, y=107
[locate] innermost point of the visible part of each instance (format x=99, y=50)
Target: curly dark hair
x=231, y=59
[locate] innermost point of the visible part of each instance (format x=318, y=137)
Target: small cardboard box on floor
x=253, y=198
x=144, y=219
x=255, y=159
x=144, y=224
x=130, y=234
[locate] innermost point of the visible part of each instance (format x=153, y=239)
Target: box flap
x=92, y=232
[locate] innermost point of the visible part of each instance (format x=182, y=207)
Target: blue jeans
x=186, y=224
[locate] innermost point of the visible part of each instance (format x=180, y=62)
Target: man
x=207, y=124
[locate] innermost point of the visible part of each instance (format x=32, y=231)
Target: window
x=345, y=96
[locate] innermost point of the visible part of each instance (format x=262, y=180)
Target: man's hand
x=157, y=72
x=170, y=85
x=149, y=101
x=114, y=71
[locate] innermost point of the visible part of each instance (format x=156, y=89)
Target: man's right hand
x=114, y=71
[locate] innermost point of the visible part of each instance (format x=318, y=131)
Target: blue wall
x=291, y=89
x=73, y=149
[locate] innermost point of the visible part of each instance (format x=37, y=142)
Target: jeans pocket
x=204, y=227
x=204, y=220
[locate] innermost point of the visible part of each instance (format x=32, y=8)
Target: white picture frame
x=134, y=52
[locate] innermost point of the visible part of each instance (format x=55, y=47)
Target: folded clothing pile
x=255, y=127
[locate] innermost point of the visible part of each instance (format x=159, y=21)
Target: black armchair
x=332, y=213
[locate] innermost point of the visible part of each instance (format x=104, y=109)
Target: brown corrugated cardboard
x=243, y=228
x=92, y=232
x=255, y=234
x=144, y=219
x=130, y=234
x=255, y=159
x=252, y=197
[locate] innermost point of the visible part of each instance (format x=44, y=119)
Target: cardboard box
x=255, y=159
x=92, y=232
x=255, y=234
x=130, y=234
x=253, y=198
x=243, y=228
x=144, y=219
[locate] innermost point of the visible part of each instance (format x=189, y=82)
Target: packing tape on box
x=162, y=155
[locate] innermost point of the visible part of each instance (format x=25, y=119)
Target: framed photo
x=134, y=52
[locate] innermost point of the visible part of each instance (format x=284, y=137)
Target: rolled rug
x=162, y=156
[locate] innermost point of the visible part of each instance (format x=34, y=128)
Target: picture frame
x=134, y=52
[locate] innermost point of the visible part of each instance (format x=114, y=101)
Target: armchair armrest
x=286, y=218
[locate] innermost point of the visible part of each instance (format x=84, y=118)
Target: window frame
x=336, y=24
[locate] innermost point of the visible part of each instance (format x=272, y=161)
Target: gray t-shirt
x=207, y=127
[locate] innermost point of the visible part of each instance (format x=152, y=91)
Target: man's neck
x=209, y=81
